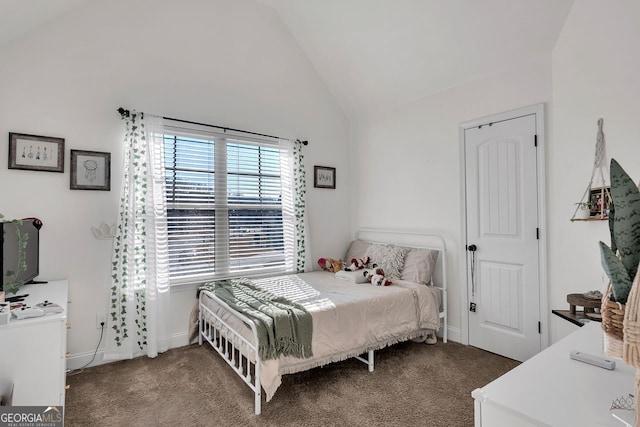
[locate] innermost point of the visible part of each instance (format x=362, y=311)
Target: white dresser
x=550, y=389
x=33, y=350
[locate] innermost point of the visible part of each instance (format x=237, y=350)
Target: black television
x=9, y=250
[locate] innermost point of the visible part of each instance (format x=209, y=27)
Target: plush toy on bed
x=330, y=264
x=358, y=264
x=376, y=277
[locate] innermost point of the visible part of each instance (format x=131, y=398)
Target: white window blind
x=224, y=207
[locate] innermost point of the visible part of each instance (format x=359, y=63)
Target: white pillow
x=389, y=258
x=352, y=276
x=357, y=249
x=419, y=265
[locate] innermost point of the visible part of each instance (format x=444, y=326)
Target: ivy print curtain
x=294, y=188
x=139, y=304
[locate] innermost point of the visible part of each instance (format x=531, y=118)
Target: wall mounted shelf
x=595, y=218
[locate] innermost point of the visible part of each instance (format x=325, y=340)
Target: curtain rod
x=126, y=113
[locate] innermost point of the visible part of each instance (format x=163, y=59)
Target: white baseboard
x=180, y=340
x=453, y=334
x=79, y=360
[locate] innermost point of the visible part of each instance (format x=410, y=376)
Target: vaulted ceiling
x=377, y=54
x=374, y=55
x=18, y=17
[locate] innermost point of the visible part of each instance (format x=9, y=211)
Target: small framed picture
x=34, y=152
x=90, y=170
x=600, y=198
x=324, y=177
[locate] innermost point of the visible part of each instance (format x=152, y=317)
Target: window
x=225, y=207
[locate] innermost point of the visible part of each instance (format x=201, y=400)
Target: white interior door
x=503, y=275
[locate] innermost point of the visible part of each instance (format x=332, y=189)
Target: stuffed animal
x=330, y=264
x=376, y=277
x=358, y=264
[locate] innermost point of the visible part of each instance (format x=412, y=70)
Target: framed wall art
x=600, y=199
x=324, y=177
x=34, y=152
x=90, y=170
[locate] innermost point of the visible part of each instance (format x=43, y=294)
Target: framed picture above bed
x=324, y=177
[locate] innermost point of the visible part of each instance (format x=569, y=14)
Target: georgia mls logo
x=31, y=416
x=54, y=409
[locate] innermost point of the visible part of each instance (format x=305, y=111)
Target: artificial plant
x=10, y=282
x=620, y=261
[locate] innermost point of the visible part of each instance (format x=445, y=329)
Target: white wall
x=229, y=62
x=596, y=73
x=406, y=163
x=593, y=72
x=234, y=63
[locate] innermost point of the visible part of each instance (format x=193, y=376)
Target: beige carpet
x=412, y=385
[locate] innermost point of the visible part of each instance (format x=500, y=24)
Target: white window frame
x=222, y=235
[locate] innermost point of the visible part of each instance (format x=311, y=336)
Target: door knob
x=472, y=248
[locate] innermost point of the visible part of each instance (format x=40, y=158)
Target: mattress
x=348, y=318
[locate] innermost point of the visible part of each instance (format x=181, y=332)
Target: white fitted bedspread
x=348, y=318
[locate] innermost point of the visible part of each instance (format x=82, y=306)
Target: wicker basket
x=631, y=330
x=612, y=324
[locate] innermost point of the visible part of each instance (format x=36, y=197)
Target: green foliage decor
x=10, y=282
x=624, y=225
x=300, y=205
x=129, y=251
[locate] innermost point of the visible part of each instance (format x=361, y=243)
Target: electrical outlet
x=101, y=318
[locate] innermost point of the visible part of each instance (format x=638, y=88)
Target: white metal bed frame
x=420, y=240
x=242, y=355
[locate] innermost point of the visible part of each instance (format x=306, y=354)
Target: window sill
x=193, y=286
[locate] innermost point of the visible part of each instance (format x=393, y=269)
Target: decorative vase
x=583, y=212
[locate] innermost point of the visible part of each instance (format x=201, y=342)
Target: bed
x=349, y=319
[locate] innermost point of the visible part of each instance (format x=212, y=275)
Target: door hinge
x=537, y=233
x=539, y=327
x=535, y=140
